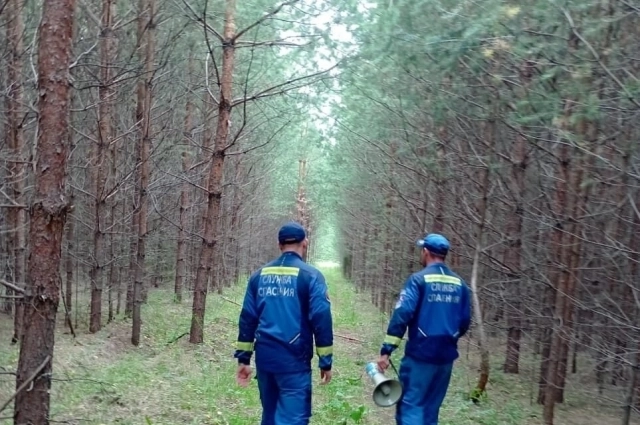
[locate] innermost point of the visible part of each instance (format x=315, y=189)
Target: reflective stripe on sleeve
x=393, y=340
x=244, y=346
x=324, y=351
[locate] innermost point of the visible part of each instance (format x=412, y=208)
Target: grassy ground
x=102, y=379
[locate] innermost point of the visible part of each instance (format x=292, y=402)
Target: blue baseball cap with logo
x=434, y=243
x=291, y=232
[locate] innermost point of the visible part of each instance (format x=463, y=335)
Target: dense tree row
x=177, y=126
x=511, y=128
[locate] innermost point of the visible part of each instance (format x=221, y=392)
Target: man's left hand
x=325, y=377
x=243, y=375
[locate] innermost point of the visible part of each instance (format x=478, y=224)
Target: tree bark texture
x=302, y=212
x=47, y=212
x=559, y=210
x=68, y=293
x=147, y=11
x=513, y=253
x=181, y=254
x=15, y=140
x=439, y=207
x=580, y=194
x=214, y=187
x=485, y=181
x=101, y=164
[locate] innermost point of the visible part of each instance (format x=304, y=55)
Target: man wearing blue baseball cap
x=435, y=306
x=285, y=308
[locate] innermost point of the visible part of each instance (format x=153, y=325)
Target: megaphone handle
x=394, y=368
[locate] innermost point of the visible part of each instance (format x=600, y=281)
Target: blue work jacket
x=435, y=306
x=286, y=306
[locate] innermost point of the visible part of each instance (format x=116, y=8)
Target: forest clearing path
x=103, y=379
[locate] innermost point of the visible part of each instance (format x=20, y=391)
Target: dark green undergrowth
x=102, y=379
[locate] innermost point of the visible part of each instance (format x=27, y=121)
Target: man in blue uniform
x=435, y=305
x=286, y=307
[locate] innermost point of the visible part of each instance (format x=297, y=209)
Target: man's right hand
x=383, y=363
x=325, y=377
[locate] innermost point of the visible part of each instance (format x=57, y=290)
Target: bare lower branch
x=270, y=90
x=260, y=145
x=90, y=14
x=273, y=43
x=264, y=18
x=213, y=56
x=85, y=53
x=11, y=286
x=13, y=206
x=206, y=26
x=26, y=383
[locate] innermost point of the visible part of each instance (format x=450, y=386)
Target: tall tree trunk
x=562, y=332
x=111, y=45
x=302, y=212
x=480, y=390
x=121, y=249
x=184, y=193
x=100, y=164
x=513, y=254
x=387, y=272
x=566, y=285
x=199, y=196
x=556, y=272
x=439, y=207
x=133, y=242
x=69, y=258
x=15, y=135
x=214, y=187
x=362, y=274
x=147, y=11
x=47, y=214
x=513, y=258
x=234, y=228
x=581, y=193
x=633, y=386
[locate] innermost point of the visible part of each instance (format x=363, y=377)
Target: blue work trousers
x=425, y=386
x=285, y=397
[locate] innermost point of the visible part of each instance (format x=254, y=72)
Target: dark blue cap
x=435, y=243
x=291, y=232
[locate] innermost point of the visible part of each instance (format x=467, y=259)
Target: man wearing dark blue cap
x=435, y=306
x=285, y=308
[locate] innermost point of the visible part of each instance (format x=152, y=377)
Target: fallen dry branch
x=231, y=301
x=177, y=338
x=348, y=338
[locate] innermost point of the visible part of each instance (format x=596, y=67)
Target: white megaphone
x=387, y=391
